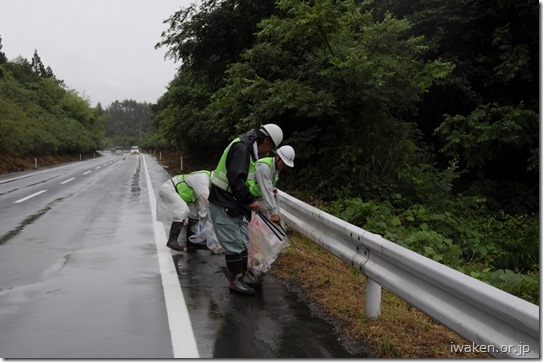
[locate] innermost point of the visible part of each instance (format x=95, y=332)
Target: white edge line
x=31, y=196
x=183, y=340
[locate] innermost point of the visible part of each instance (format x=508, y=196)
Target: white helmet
x=287, y=155
x=274, y=132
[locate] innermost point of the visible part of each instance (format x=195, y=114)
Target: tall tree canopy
x=206, y=39
x=330, y=74
x=336, y=80
x=377, y=95
x=210, y=36
x=486, y=113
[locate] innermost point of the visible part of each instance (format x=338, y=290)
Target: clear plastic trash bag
x=264, y=245
x=204, y=232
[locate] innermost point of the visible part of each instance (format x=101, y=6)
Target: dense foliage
x=486, y=113
x=39, y=116
x=417, y=120
x=207, y=39
x=502, y=250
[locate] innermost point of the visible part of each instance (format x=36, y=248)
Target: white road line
x=183, y=340
x=31, y=196
x=96, y=168
x=65, y=182
x=84, y=173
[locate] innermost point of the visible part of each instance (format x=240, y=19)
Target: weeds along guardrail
x=494, y=321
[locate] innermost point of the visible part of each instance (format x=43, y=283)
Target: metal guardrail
x=494, y=321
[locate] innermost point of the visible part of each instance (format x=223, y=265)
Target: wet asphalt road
x=275, y=323
x=80, y=278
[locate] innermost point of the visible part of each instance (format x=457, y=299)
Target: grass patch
x=401, y=332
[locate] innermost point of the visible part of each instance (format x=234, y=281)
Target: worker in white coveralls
x=263, y=187
x=180, y=200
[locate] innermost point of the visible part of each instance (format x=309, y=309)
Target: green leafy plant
x=466, y=237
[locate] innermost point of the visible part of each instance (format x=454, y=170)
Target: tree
x=39, y=69
x=486, y=112
x=336, y=80
x=211, y=36
x=206, y=40
x=3, y=58
x=37, y=65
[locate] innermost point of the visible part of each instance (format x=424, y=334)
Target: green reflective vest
x=218, y=177
x=183, y=189
x=254, y=187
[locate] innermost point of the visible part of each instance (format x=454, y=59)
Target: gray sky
x=103, y=49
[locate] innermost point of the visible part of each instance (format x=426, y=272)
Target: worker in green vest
x=263, y=187
x=266, y=176
x=231, y=202
x=179, y=201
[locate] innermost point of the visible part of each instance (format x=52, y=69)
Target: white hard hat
x=274, y=132
x=287, y=155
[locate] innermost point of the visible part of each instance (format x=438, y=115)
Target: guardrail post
x=373, y=299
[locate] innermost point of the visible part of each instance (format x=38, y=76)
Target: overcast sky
x=103, y=49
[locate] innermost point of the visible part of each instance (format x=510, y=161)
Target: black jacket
x=237, y=166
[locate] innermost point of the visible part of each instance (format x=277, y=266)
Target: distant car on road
x=134, y=150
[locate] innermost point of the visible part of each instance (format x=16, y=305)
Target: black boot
x=196, y=246
x=245, y=260
x=234, y=263
x=248, y=277
x=175, y=230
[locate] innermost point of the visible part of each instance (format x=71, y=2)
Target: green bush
x=501, y=250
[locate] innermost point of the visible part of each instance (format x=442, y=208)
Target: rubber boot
x=245, y=260
x=248, y=277
x=175, y=230
x=234, y=263
x=239, y=286
x=252, y=280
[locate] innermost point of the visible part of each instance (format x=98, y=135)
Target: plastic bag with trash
x=264, y=245
x=204, y=232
